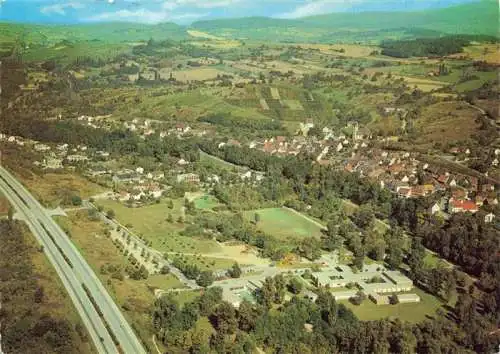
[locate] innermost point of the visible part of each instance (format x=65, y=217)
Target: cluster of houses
x=55, y=157
x=149, y=127
x=399, y=171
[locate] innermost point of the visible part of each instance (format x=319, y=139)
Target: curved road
x=57, y=243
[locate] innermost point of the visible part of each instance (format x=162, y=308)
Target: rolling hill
x=471, y=18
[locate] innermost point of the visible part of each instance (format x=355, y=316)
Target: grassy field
x=213, y=160
x=56, y=189
x=4, y=205
x=206, y=202
x=412, y=312
x=135, y=297
x=163, y=282
x=284, y=223
x=207, y=263
x=150, y=222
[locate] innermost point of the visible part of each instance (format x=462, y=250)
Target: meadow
x=151, y=223
x=4, y=205
x=206, y=202
x=54, y=189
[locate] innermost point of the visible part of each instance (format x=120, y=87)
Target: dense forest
x=429, y=47
x=302, y=326
x=25, y=324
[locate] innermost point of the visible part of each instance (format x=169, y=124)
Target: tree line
x=424, y=47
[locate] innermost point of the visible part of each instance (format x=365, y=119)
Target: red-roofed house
x=460, y=206
x=443, y=178
x=404, y=192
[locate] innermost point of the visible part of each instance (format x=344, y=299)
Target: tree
x=210, y=298
x=416, y=257
x=180, y=220
x=332, y=240
x=364, y=218
x=170, y=218
x=224, y=318
x=39, y=293
x=247, y=316
x=205, y=278
x=165, y=269
x=110, y=214
x=295, y=285
x=76, y=200
x=256, y=218
x=393, y=299
x=170, y=204
x=143, y=272
x=235, y=271
x=309, y=248
x=267, y=292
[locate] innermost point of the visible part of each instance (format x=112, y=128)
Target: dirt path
x=156, y=346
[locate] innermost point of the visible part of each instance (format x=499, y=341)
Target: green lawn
x=413, y=312
x=164, y=281
x=206, y=202
x=213, y=160
x=284, y=223
x=150, y=222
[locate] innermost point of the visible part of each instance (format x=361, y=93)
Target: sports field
x=284, y=223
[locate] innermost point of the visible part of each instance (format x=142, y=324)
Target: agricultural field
x=151, y=223
x=411, y=312
x=486, y=52
x=446, y=122
x=284, y=223
x=343, y=50
x=197, y=74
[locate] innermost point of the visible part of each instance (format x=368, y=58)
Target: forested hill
x=472, y=18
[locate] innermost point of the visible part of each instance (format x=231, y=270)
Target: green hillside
x=106, y=32
x=473, y=18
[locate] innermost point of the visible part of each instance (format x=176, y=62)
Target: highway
x=73, y=271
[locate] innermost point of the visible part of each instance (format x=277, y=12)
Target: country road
x=74, y=273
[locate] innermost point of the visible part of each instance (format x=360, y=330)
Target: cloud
x=174, y=4
x=145, y=16
x=318, y=7
x=60, y=9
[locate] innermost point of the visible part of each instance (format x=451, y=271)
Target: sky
x=187, y=11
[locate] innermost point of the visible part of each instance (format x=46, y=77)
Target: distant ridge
x=470, y=18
